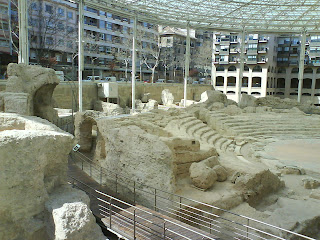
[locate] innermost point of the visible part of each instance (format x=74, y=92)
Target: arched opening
x=42, y=103
x=281, y=70
x=318, y=70
x=245, y=68
x=242, y=92
x=219, y=81
x=281, y=83
x=307, y=82
x=232, y=69
x=306, y=94
x=293, y=93
x=257, y=69
x=279, y=93
x=220, y=68
x=294, y=83
x=244, y=82
x=272, y=70
x=255, y=93
x=308, y=70
x=317, y=94
x=295, y=70
x=317, y=83
x=256, y=82
x=231, y=92
x=231, y=81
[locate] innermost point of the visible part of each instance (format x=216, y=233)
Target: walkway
x=128, y=220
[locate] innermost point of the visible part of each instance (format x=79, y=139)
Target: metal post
x=133, y=73
x=247, y=227
x=116, y=183
x=242, y=46
x=134, y=192
x=213, y=67
x=23, y=32
x=155, y=199
x=110, y=212
x=90, y=169
x=80, y=52
x=100, y=176
x=301, y=64
x=164, y=229
x=186, y=64
x=134, y=224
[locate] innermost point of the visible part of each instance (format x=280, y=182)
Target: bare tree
x=203, y=58
x=150, y=54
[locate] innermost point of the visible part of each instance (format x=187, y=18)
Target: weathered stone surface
x=1, y=101
x=202, y=176
x=151, y=105
x=247, y=101
x=315, y=193
x=167, y=97
x=233, y=110
x=145, y=97
x=299, y=216
x=29, y=91
x=221, y=173
x=310, y=183
x=34, y=163
x=212, y=161
x=69, y=216
x=292, y=170
x=110, y=109
x=212, y=96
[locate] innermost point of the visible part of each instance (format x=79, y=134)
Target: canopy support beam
x=133, y=72
x=242, y=47
x=23, y=32
x=301, y=64
x=186, y=65
x=80, y=51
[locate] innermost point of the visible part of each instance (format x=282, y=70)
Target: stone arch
x=318, y=70
x=232, y=68
x=257, y=69
x=245, y=68
x=220, y=68
x=308, y=70
x=281, y=70
x=317, y=83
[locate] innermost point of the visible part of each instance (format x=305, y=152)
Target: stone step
x=199, y=133
x=219, y=142
x=205, y=137
x=225, y=145
x=195, y=128
x=213, y=139
x=190, y=124
x=186, y=120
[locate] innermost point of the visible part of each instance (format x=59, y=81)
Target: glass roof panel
x=233, y=15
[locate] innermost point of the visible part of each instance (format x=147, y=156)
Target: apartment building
x=289, y=48
x=173, y=49
x=109, y=40
x=259, y=69
x=53, y=33
x=7, y=54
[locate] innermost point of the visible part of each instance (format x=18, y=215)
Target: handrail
x=134, y=213
x=154, y=193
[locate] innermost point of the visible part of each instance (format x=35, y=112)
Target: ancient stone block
x=310, y=183
x=202, y=176
x=167, y=97
x=221, y=173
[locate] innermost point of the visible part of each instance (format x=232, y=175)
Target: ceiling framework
x=285, y=16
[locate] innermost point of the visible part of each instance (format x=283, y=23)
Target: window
x=90, y=9
x=49, y=41
x=34, y=6
x=102, y=24
x=109, y=26
x=69, y=44
x=109, y=37
x=253, y=47
x=70, y=29
x=108, y=50
x=60, y=26
x=109, y=15
x=252, y=58
x=49, y=9
x=70, y=15
x=102, y=36
x=60, y=12
x=58, y=57
x=33, y=54
x=69, y=58
x=145, y=24
x=61, y=42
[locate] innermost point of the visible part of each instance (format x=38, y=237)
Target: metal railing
x=136, y=222
x=212, y=219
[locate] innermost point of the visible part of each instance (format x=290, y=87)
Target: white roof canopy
x=228, y=15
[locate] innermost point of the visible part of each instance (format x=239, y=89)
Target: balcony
x=262, y=60
x=296, y=53
x=233, y=60
x=263, y=39
x=315, y=63
x=233, y=50
x=262, y=50
x=224, y=52
x=252, y=51
x=217, y=41
x=225, y=41
x=223, y=62
x=285, y=43
x=315, y=53
x=315, y=43
x=253, y=41
x=251, y=61
x=293, y=62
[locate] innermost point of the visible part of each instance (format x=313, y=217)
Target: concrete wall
x=63, y=92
